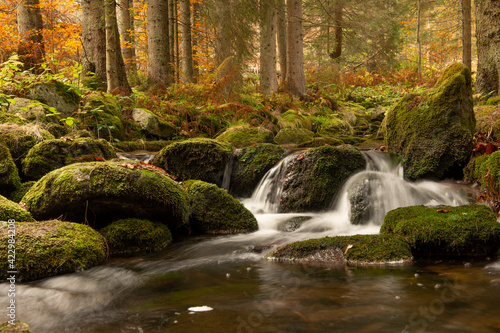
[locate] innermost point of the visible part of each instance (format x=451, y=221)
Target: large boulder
x=433, y=131
x=9, y=176
x=352, y=250
x=28, y=109
x=151, y=125
x=244, y=136
x=10, y=210
x=49, y=248
x=21, y=138
x=100, y=192
x=54, y=154
x=214, y=211
x=250, y=165
x=445, y=231
x=64, y=98
x=315, y=176
x=201, y=159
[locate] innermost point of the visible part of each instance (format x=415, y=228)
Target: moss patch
x=244, y=136
x=50, y=248
x=361, y=249
x=9, y=176
x=6, y=117
x=214, y=211
x=11, y=210
x=135, y=236
x=18, y=194
x=20, y=139
x=129, y=146
x=295, y=136
x=445, y=231
x=18, y=327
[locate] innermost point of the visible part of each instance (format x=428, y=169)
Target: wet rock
x=293, y=224
x=244, y=136
x=49, y=248
x=151, y=125
x=359, y=199
x=470, y=230
x=9, y=176
x=214, y=211
x=433, y=131
x=100, y=192
x=10, y=210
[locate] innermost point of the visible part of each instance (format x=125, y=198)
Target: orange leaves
x=485, y=148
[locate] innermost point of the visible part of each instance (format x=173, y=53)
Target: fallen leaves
x=147, y=166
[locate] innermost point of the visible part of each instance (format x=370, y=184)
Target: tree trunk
x=94, y=40
x=194, y=39
x=186, y=46
x=467, y=33
x=488, y=46
x=281, y=36
x=268, y=78
x=419, y=63
x=126, y=27
x=111, y=43
x=176, y=43
x=31, y=50
x=296, y=82
x=171, y=32
x=159, y=70
x=337, y=16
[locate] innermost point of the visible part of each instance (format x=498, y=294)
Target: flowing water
x=248, y=293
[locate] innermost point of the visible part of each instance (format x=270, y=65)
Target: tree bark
x=467, y=33
x=194, y=40
x=186, y=46
x=94, y=40
x=31, y=49
x=488, y=46
x=176, y=43
x=111, y=43
x=171, y=32
x=419, y=63
x=159, y=69
x=296, y=82
x=125, y=16
x=281, y=36
x=337, y=16
x=268, y=75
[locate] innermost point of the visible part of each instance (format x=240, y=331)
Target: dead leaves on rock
x=147, y=166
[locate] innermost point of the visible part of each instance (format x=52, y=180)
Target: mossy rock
x=49, y=248
x=295, y=119
x=103, y=115
x=136, y=236
x=293, y=136
x=211, y=124
x=9, y=176
x=152, y=125
x=433, y=131
x=19, y=193
x=10, y=210
x=321, y=141
x=18, y=327
x=353, y=250
x=33, y=111
x=214, y=211
x=64, y=98
x=244, y=136
x=100, y=192
x=54, y=154
x=250, y=165
x=129, y=146
x=470, y=230
x=21, y=138
x=56, y=130
x=201, y=159
x=313, y=178
x=332, y=126
x=6, y=117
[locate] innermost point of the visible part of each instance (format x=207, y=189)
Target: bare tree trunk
x=337, y=12
x=194, y=38
x=126, y=27
x=176, y=42
x=419, y=64
x=111, y=43
x=268, y=78
x=186, y=46
x=467, y=33
x=281, y=36
x=159, y=70
x=488, y=47
x=94, y=40
x=171, y=32
x=296, y=82
x=31, y=50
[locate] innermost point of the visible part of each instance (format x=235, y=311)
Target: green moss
x=211, y=124
x=11, y=210
x=18, y=327
x=54, y=154
x=322, y=141
x=295, y=119
x=9, y=176
x=20, y=139
x=331, y=126
x=214, y=211
x=6, y=117
x=129, y=146
x=293, y=136
x=101, y=192
x=492, y=101
x=465, y=230
x=361, y=249
x=50, y=248
x=202, y=159
x=485, y=170
x=244, y=136
x=18, y=194
x=135, y=236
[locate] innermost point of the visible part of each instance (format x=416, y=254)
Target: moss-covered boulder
x=136, y=236
x=250, y=165
x=214, y=211
x=19, y=193
x=10, y=210
x=295, y=119
x=353, y=250
x=101, y=192
x=244, y=136
x=21, y=138
x=49, y=248
x=445, y=231
x=433, y=131
x=18, y=327
x=293, y=136
x=314, y=177
x=202, y=159
x=103, y=115
x=6, y=117
x=151, y=125
x=9, y=176
x=54, y=154
x=64, y=98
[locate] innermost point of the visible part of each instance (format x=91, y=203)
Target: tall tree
x=125, y=15
x=467, y=33
x=295, y=77
x=94, y=40
x=268, y=76
x=159, y=69
x=488, y=48
x=29, y=22
x=111, y=46
x=419, y=42
x=281, y=36
x=186, y=46
x=194, y=37
x=338, y=26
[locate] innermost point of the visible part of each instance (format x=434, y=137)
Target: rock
x=287, y=136
x=100, y=192
x=214, y=211
x=293, y=224
x=10, y=210
x=151, y=125
x=18, y=327
x=201, y=159
x=244, y=136
x=19, y=193
x=250, y=165
x=321, y=141
x=353, y=250
x=9, y=176
x=58, y=95
x=21, y=138
x=295, y=119
x=359, y=196
x=445, y=231
x=332, y=126
x=102, y=114
x=135, y=236
x=28, y=109
x=433, y=131
x=54, y=154
x=484, y=170
x=313, y=178
x=49, y=248
x=6, y=117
